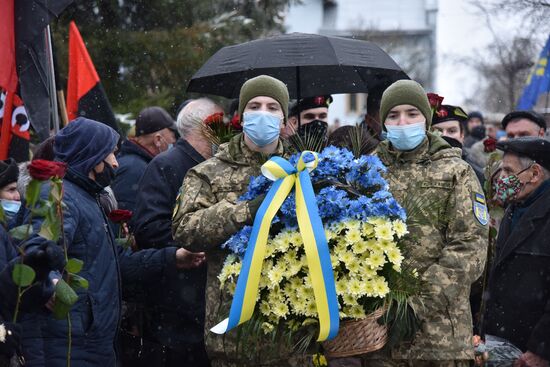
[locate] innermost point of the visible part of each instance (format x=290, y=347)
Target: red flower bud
x=490, y=145
x=41, y=169
x=235, y=122
x=120, y=216
x=435, y=100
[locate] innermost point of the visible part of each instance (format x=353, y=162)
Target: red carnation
x=435, y=100
x=41, y=169
x=490, y=145
x=214, y=119
x=236, y=123
x=120, y=216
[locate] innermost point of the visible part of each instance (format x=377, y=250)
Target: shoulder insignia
x=480, y=209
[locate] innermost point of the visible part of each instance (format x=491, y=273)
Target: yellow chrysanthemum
x=280, y=309
x=296, y=239
x=369, y=288
x=384, y=231
x=400, y=228
x=346, y=257
x=359, y=247
x=395, y=257
x=354, y=266
x=353, y=235
x=355, y=287
x=311, y=309
x=376, y=260
x=265, y=308
x=349, y=299
x=376, y=221
x=267, y=327
x=381, y=288
x=275, y=276
x=367, y=229
x=357, y=312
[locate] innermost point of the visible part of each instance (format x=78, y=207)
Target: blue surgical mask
x=406, y=137
x=11, y=207
x=261, y=127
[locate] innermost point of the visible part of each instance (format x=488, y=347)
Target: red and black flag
x=24, y=71
x=85, y=94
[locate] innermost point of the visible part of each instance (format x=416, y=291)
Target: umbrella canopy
x=309, y=64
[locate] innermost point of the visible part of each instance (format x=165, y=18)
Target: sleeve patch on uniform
x=480, y=209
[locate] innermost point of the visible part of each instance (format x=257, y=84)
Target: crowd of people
x=154, y=302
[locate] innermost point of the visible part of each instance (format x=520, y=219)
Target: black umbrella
x=309, y=64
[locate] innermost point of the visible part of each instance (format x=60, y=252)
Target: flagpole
x=51, y=80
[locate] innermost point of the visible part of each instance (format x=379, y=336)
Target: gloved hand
x=254, y=205
x=44, y=258
x=402, y=324
x=10, y=339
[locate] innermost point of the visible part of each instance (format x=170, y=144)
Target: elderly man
x=523, y=123
x=175, y=307
x=518, y=293
x=155, y=133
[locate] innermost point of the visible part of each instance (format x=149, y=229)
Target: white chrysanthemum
x=280, y=309
x=381, y=288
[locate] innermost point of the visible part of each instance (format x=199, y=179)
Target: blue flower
x=239, y=241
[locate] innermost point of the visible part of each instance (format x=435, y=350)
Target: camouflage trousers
x=358, y=362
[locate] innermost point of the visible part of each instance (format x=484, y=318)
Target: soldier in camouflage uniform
x=447, y=218
x=208, y=211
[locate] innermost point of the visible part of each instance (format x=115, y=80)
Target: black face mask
x=105, y=177
x=316, y=129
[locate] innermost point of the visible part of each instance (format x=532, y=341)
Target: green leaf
x=33, y=192
x=50, y=228
x=74, y=265
x=64, y=293
x=77, y=282
x=61, y=310
x=42, y=210
x=23, y=275
x=21, y=232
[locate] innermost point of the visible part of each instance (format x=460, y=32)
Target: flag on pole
x=538, y=82
x=85, y=94
x=8, y=71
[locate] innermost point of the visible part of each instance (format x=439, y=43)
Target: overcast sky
x=460, y=32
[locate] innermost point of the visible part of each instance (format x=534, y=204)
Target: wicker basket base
x=358, y=337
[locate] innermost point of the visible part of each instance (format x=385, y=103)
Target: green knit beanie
x=405, y=92
x=266, y=86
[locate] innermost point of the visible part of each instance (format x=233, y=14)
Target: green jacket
x=207, y=213
x=439, y=191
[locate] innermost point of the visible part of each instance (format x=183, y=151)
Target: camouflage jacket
x=207, y=213
x=447, y=219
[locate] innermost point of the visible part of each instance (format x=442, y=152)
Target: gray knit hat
x=405, y=92
x=267, y=86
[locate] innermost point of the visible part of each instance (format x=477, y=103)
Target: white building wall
x=349, y=17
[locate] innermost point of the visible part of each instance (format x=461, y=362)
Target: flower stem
x=16, y=312
x=69, y=335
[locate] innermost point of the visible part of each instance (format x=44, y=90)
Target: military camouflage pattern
x=207, y=214
x=438, y=190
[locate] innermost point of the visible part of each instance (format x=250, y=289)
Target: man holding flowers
x=208, y=211
x=447, y=219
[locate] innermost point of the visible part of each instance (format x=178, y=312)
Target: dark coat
x=177, y=306
x=7, y=250
x=132, y=161
x=518, y=308
x=95, y=316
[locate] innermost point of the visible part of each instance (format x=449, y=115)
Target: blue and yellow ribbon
x=315, y=243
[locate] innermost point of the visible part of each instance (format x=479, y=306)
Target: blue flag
x=538, y=81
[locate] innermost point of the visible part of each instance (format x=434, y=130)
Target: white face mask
x=406, y=137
